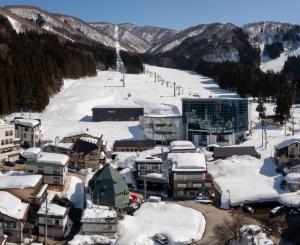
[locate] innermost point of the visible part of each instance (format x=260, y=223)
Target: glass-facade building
x=220, y=121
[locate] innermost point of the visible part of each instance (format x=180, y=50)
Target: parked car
x=160, y=238
x=277, y=211
x=248, y=209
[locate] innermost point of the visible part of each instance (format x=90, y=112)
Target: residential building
x=150, y=170
x=9, y=144
x=13, y=217
x=52, y=166
x=117, y=113
x=222, y=121
x=57, y=219
x=99, y=220
x=29, y=131
x=28, y=188
x=287, y=154
x=293, y=181
x=162, y=128
x=182, y=146
x=85, y=152
x=133, y=145
x=108, y=188
x=189, y=175
x=229, y=151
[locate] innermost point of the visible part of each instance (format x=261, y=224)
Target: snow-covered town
x=143, y=174
x=110, y=134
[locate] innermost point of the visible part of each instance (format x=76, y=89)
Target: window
x=57, y=222
x=181, y=185
x=6, y=133
x=6, y=141
x=197, y=185
x=30, y=171
x=107, y=227
x=11, y=133
x=2, y=142
x=10, y=224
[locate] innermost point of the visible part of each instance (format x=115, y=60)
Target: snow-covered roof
x=52, y=209
x=148, y=160
x=163, y=116
x=27, y=122
x=53, y=158
x=187, y=161
x=291, y=199
x=68, y=146
x=286, y=143
x=12, y=206
x=116, y=106
x=90, y=140
x=89, y=240
x=97, y=213
x=31, y=152
x=182, y=145
x=20, y=181
x=293, y=178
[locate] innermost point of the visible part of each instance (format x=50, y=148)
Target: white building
x=57, y=219
x=162, y=128
x=182, y=146
x=9, y=145
x=29, y=132
x=189, y=174
x=99, y=220
x=52, y=166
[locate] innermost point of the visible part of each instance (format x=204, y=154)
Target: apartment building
x=29, y=131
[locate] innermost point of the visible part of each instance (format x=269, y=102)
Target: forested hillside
x=33, y=65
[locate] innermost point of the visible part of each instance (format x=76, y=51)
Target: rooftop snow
x=116, y=106
x=286, y=143
x=27, y=122
x=20, y=181
x=12, y=206
x=293, y=178
x=68, y=146
x=89, y=240
x=148, y=160
x=290, y=199
x=52, y=209
x=97, y=213
x=53, y=158
x=31, y=152
x=182, y=145
x=90, y=140
x=188, y=161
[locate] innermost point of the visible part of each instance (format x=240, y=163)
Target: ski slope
x=70, y=110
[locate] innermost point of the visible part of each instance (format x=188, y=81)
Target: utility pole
x=174, y=89
x=145, y=187
x=155, y=76
x=123, y=79
x=46, y=219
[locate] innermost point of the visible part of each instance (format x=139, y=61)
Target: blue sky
x=176, y=14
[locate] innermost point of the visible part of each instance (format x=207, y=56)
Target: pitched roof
x=286, y=143
x=85, y=146
x=229, y=151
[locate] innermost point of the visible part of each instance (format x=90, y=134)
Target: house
x=13, y=216
x=162, y=128
x=149, y=170
x=85, y=152
x=52, y=166
x=9, y=144
x=222, y=121
x=229, y=151
x=99, y=220
x=28, y=188
x=57, y=219
x=182, y=146
x=287, y=154
x=293, y=181
x=189, y=175
x=117, y=113
x=108, y=188
x=29, y=131
x=133, y=145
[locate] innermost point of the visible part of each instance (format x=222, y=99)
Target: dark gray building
x=117, y=113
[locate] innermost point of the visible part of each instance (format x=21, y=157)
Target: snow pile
x=179, y=224
x=89, y=240
x=12, y=206
x=19, y=181
x=74, y=191
x=290, y=199
x=244, y=179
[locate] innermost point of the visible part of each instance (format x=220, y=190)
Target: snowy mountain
x=266, y=33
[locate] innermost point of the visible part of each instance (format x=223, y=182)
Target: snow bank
x=74, y=191
x=89, y=240
x=290, y=199
x=242, y=179
x=179, y=224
